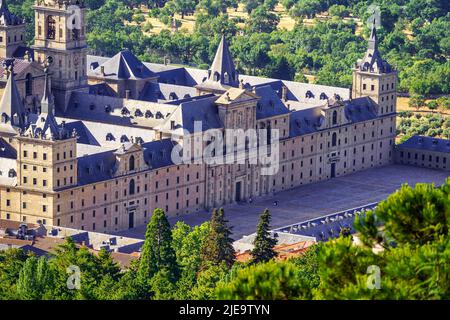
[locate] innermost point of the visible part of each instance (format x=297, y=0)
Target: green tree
x=264, y=242
x=35, y=280
x=218, y=246
x=11, y=263
x=268, y=281
x=416, y=102
x=411, y=215
x=262, y=20
x=157, y=251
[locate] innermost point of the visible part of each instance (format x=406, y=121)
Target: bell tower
x=60, y=33
x=375, y=78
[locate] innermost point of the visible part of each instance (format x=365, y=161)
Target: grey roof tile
x=427, y=144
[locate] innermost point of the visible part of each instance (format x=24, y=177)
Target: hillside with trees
x=415, y=36
x=412, y=260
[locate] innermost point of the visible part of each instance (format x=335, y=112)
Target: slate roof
x=269, y=104
x=124, y=65
x=102, y=89
x=12, y=111
x=327, y=227
x=21, y=51
x=6, y=150
x=102, y=166
x=200, y=109
x=19, y=66
x=309, y=120
x=427, y=144
x=184, y=79
x=360, y=109
x=305, y=121
x=104, y=135
x=161, y=92
x=116, y=111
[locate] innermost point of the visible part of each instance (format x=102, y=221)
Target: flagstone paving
x=315, y=200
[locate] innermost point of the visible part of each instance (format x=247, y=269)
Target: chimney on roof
x=102, y=70
x=127, y=94
x=284, y=93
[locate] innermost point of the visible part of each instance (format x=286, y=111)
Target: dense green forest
x=414, y=35
x=186, y=262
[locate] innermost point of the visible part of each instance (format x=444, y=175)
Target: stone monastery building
x=86, y=141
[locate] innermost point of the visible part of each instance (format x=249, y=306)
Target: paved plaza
x=315, y=200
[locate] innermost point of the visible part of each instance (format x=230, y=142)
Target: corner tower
x=60, y=33
x=374, y=77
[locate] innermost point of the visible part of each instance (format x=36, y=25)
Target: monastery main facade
x=87, y=142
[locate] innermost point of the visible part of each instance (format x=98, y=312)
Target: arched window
x=51, y=28
x=334, y=139
x=226, y=77
x=131, y=165
x=29, y=84
x=131, y=187
x=334, y=117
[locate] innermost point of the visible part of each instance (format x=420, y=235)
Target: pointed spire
x=222, y=69
x=48, y=101
x=12, y=111
x=46, y=126
x=373, y=40
x=372, y=61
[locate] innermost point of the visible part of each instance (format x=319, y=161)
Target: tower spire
x=222, y=69
x=373, y=40
x=12, y=111
x=48, y=101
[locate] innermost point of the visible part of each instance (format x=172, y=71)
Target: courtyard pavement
x=314, y=200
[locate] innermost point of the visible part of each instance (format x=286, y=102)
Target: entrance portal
x=131, y=220
x=238, y=191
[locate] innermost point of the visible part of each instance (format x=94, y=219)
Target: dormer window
x=4, y=118
x=125, y=111
x=216, y=76
x=309, y=94
x=226, y=77
x=173, y=96
x=124, y=138
x=148, y=114
x=159, y=115
x=138, y=113
x=323, y=96
x=110, y=137
x=11, y=173
x=108, y=108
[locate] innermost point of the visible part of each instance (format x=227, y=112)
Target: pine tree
x=264, y=243
x=35, y=279
x=157, y=251
x=218, y=246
